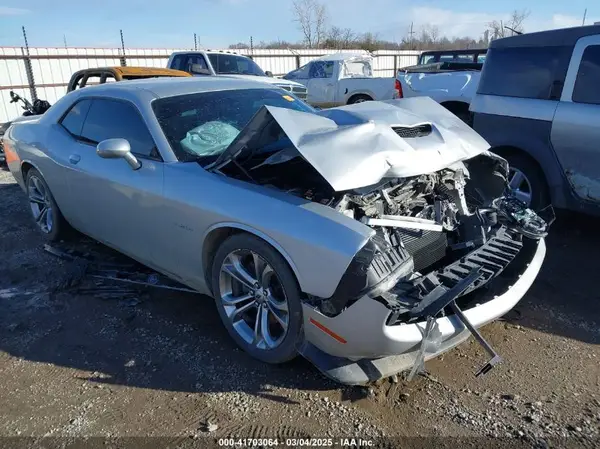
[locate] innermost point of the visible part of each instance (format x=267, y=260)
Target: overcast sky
x=218, y=23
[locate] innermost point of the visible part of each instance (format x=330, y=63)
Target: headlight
x=375, y=268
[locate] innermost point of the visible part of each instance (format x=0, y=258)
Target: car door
x=116, y=203
x=576, y=125
x=321, y=83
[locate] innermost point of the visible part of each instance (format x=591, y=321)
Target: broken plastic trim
x=118, y=273
x=431, y=336
x=518, y=216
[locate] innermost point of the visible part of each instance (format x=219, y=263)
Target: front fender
x=318, y=242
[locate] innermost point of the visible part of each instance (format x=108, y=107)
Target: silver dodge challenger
x=367, y=238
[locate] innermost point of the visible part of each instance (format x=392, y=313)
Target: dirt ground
x=155, y=363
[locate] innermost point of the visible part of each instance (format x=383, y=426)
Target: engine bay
x=423, y=224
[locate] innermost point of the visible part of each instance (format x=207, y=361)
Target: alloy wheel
x=40, y=204
x=520, y=185
x=254, y=299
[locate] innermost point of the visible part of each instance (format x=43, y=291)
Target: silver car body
x=171, y=215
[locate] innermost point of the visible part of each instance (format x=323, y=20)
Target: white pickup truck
x=452, y=84
x=342, y=78
x=225, y=63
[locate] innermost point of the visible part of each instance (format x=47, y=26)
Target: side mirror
x=117, y=149
x=269, y=74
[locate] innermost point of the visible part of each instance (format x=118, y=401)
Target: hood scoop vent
x=409, y=132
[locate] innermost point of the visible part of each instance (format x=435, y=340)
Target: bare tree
x=311, y=17
x=434, y=33
x=501, y=28
x=339, y=38
x=517, y=18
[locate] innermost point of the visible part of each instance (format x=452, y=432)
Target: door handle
x=74, y=158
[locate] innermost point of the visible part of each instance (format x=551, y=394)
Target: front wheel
x=258, y=298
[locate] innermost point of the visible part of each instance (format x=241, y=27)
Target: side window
x=428, y=59
x=587, y=84
x=186, y=62
x=525, y=72
x=465, y=58
x=321, y=69
x=109, y=119
x=301, y=73
x=73, y=120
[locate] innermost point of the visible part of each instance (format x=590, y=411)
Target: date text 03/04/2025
x=294, y=442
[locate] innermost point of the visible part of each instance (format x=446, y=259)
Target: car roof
x=136, y=71
x=209, y=52
x=561, y=37
x=341, y=56
x=462, y=51
x=169, y=87
x=148, y=71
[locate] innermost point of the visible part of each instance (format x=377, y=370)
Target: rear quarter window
x=525, y=72
x=587, y=84
x=73, y=120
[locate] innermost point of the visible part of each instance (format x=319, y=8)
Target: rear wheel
x=359, y=99
x=46, y=215
x=258, y=298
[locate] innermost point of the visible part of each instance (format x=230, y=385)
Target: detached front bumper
x=357, y=346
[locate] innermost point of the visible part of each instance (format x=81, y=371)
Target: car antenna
x=513, y=30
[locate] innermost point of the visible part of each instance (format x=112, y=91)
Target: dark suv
x=538, y=105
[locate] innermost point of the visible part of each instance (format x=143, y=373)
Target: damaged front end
x=444, y=223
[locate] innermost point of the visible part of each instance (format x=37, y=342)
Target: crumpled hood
x=355, y=146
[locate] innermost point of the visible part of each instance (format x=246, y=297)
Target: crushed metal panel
x=585, y=187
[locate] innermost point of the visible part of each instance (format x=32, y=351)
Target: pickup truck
x=452, y=84
x=471, y=55
x=538, y=106
x=225, y=63
x=342, y=78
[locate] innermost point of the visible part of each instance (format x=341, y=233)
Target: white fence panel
x=52, y=67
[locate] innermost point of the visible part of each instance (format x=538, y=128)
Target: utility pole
x=410, y=33
x=123, y=60
x=195, y=42
x=65, y=40
x=584, y=14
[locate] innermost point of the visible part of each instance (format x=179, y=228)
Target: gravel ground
x=159, y=364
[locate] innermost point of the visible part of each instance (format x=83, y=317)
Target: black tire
x=540, y=197
x=59, y=227
x=359, y=99
x=287, y=349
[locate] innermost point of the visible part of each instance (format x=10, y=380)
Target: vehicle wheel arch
x=217, y=234
x=356, y=95
x=452, y=105
x=458, y=108
x=508, y=151
x=26, y=166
